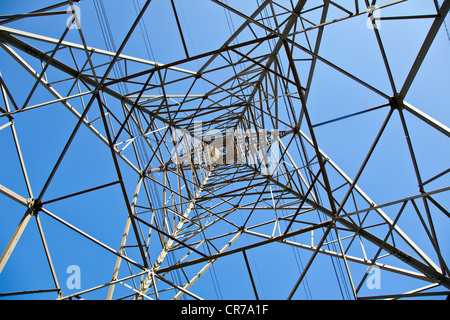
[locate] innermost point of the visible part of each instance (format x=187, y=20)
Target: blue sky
x=389, y=174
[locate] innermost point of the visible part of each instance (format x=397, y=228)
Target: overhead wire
x=211, y=269
x=337, y=265
x=110, y=44
x=232, y=30
x=123, y=89
x=445, y=25
x=144, y=32
x=296, y=251
x=299, y=261
x=151, y=55
x=118, y=72
x=191, y=41
x=109, y=40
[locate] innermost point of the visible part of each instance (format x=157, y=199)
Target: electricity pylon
x=214, y=161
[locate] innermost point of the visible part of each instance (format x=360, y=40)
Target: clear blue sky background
x=350, y=45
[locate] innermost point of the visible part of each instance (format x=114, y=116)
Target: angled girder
x=194, y=214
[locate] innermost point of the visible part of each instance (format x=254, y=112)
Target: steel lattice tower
x=90, y=139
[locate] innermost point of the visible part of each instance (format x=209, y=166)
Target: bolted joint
x=30, y=202
x=34, y=206
x=396, y=102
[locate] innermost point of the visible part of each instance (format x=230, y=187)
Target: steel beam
x=14, y=239
x=73, y=45
x=425, y=47
x=64, y=101
x=12, y=195
x=426, y=118
x=145, y=284
x=433, y=273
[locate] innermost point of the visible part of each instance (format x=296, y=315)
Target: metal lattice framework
x=308, y=224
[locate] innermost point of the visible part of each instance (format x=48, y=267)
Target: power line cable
x=445, y=25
